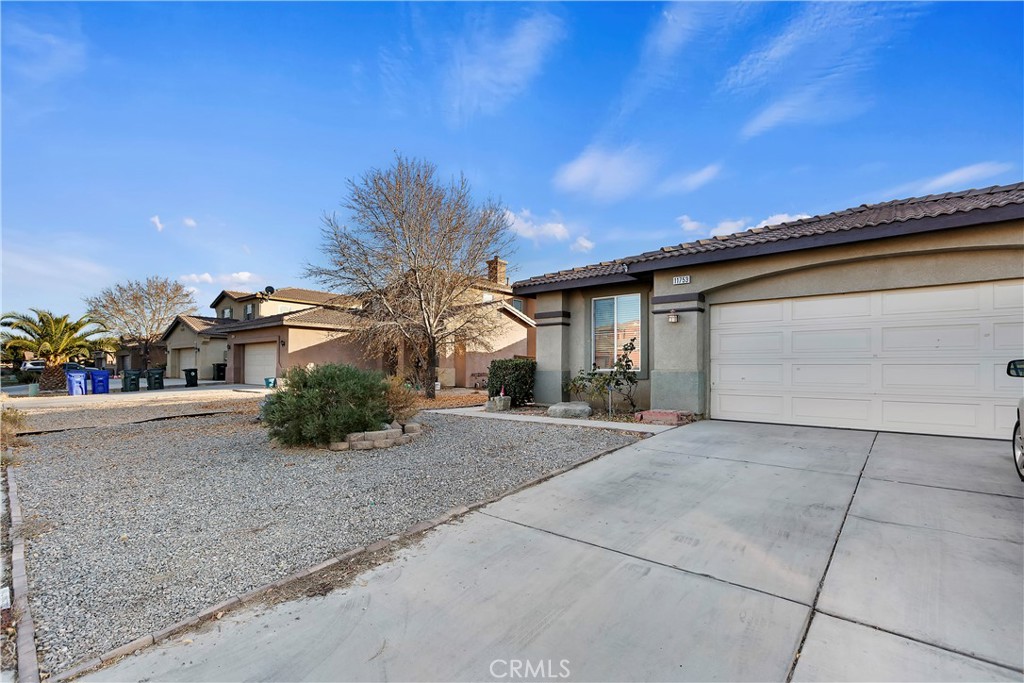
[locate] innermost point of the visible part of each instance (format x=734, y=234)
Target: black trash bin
x=130, y=380
x=154, y=378
x=191, y=377
x=220, y=371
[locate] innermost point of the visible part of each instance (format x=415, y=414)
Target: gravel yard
x=137, y=526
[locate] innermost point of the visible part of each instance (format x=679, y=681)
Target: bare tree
x=139, y=312
x=414, y=252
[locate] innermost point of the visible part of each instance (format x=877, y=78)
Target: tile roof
x=202, y=323
x=317, y=316
x=863, y=217
x=311, y=296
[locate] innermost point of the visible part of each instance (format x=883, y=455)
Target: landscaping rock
x=570, y=409
x=338, y=446
x=671, y=418
x=413, y=428
x=498, y=404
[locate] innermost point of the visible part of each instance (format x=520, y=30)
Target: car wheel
x=1018, y=450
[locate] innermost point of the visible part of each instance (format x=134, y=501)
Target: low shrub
x=11, y=420
x=325, y=403
x=401, y=400
x=515, y=375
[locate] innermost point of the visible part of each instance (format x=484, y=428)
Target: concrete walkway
x=716, y=551
x=476, y=411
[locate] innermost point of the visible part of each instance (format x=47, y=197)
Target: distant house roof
x=290, y=294
x=865, y=222
x=316, y=317
x=200, y=324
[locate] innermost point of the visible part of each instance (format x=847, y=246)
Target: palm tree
x=50, y=337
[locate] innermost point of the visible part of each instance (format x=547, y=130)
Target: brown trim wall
x=552, y=314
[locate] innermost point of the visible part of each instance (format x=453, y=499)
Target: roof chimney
x=496, y=271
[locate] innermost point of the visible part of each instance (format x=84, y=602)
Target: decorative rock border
x=256, y=594
x=385, y=438
x=28, y=662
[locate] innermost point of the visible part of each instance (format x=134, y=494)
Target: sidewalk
x=174, y=389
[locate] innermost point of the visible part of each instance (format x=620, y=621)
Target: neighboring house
x=898, y=316
x=104, y=359
x=130, y=356
x=251, y=305
x=195, y=341
x=268, y=346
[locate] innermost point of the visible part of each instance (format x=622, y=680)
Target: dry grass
x=452, y=400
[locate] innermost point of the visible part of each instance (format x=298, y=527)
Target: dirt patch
x=459, y=400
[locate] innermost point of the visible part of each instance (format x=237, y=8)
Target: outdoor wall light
x=673, y=317
x=282, y=342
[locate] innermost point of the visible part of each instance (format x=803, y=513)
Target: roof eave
x=594, y=281
x=961, y=219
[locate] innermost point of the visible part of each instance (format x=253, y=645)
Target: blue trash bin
x=76, y=382
x=100, y=381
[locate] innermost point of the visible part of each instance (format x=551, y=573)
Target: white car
x=33, y=366
x=1015, y=368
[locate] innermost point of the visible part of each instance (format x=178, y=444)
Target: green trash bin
x=154, y=379
x=191, y=377
x=219, y=371
x=130, y=380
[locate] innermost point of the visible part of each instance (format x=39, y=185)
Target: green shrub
x=324, y=404
x=515, y=375
x=11, y=421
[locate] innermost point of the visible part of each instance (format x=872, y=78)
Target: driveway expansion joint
x=673, y=567
x=828, y=564
x=945, y=488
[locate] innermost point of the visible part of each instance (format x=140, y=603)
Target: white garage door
x=927, y=360
x=260, y=362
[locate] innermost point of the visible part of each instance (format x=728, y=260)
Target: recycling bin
x=100, y=380
x=270, y=382
x=76, y=382
x=191, y=377
x=130, y=380
x=220, y=371
x=154, y=379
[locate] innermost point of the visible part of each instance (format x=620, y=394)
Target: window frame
x=226, y=313
x=249, y=312
x=638, y=366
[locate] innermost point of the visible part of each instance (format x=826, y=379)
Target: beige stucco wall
x=320, y=346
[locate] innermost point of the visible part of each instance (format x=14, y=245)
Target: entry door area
x=925, y=360
x=260, y=362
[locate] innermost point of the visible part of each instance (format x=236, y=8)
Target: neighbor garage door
x=927, y=360
x=260, y=362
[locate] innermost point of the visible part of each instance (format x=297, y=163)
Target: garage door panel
x=929, y=301
x=839, y=411
x=830, y=375
x=932, y=376
x=759, y=311
x=929, y=338
x=824, y=308
x=928, y=360
x=750, y=342
x=830, y=341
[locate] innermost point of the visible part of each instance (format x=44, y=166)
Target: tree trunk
x=145, y=354
x=53, y=379
x=431, y=369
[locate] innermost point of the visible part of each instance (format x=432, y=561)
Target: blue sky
x=203, y=141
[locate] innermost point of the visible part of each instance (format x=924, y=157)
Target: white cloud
x=728, y=227
x=688, y=182
x=190, y=222
x=41, y=55
x=582, y=244
x=605, y=175
x=196, y=277
x=240, y=278
x=525, y=225
x=962, y=177
x=488, y=70
x=155, y=220
x=777, y=218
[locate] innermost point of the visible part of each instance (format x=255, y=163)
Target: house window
x=616, y=320
x=249, y=311
x=227, y=313
x=517, y=304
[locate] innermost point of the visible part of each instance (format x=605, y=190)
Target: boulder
x=570, y=409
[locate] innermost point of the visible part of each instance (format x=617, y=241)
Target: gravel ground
x=119, y=412
x=134, y=527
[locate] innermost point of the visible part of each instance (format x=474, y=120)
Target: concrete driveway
x=716, y=551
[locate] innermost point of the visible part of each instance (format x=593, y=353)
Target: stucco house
x=897, y=316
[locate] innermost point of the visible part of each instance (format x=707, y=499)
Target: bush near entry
x=325, y=403
x=515, y=375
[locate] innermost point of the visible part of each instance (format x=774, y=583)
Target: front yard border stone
x=28, y=662
x=257, y=593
